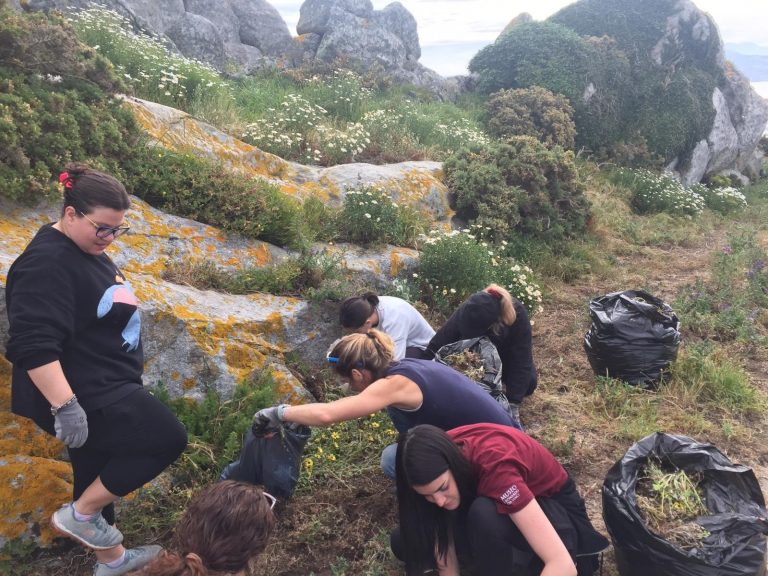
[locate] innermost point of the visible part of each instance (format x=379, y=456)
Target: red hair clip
x=495, y=293
x=65, y=179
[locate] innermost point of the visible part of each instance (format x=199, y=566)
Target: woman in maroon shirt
x=492, y=497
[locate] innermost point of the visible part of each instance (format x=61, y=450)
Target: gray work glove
x=71, y=425
x=268, y=420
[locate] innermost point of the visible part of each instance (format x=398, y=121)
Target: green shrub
x=144, y=61
x=369, y=216
x=53, y=107
x=654, y=193
x=519, y=188
x=455, y=264
x=533, y=112
x=196, y=188
x=533, y=54
x=314, y=276
x=729, y=306
x=216, y=426
x=341, y=93
x=706, y=376
x=724, y=200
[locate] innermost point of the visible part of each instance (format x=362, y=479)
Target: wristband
x=55, y=409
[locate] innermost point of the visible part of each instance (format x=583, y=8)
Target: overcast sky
x=452, y=31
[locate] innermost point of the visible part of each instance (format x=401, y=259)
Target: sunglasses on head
x=272, y=500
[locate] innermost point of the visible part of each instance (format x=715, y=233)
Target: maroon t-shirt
x=511, y=467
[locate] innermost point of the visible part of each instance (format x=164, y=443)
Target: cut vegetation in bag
x=478, y=360
x=676, y=507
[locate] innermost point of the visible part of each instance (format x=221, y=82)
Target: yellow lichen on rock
x=31, y=489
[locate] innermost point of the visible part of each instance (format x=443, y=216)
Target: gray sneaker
x=94, y=533
x=135, y=558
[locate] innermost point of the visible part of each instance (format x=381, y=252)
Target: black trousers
x=493, y=545
x=129, y=443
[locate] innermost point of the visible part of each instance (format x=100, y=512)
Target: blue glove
x=71, y=425
x=268, y=420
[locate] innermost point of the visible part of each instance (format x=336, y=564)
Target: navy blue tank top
x=450, y=398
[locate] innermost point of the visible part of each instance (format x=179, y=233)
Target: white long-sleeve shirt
x=403, y=323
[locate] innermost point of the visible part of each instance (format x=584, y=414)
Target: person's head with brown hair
x=356, y=353
x=86, y=189
x=358, y=313
x=225, y=527
x=93, y=214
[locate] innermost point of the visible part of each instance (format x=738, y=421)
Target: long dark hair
x=423, y=453
x=357, y=309
x=224, y=528
x=86, y=189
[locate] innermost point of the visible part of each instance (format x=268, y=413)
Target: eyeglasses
x=105, y=232
x=272, y=499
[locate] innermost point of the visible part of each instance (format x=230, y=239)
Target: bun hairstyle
x=225, y=527
x=357, y=309
x=372, y=351
x=86, y=189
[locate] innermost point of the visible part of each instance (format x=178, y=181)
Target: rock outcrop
x=690, y=99
x=240, y=34
x=246, y=35
x=416, y=183
x=387, y=41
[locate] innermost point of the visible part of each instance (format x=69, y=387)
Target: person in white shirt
x=397, y=318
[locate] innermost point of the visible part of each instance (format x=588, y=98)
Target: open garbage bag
x=273, y=460
x=491, y=378
x=634, y=336
x=737, y=520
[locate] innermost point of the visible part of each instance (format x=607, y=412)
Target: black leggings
x=129, y=443
x=488, y=541
x=494, y=546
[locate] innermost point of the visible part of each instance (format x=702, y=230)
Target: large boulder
x=364, y=39
x=677, y=93
x=245, y=33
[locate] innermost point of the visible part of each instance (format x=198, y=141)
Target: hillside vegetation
x=556, y=228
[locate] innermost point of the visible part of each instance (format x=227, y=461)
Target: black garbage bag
x=491, y=378
x=737, y=520
x=272, y=461
x=634, y=336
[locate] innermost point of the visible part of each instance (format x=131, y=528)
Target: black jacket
x=66, y=305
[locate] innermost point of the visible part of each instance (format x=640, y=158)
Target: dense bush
x=455, y=264
x=725, y=199
x=666, y=96
x=196, y=188
x=519, y=188
x=533, y=112
x=369, y=216
x=654, y=193
x=54, y=106
x=534, y=54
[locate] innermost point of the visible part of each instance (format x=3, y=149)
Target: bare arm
x=546, y=543
x=394, y=390
x=50, y=380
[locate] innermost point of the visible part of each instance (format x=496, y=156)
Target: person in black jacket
x=494, y=313
x=75, y=346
